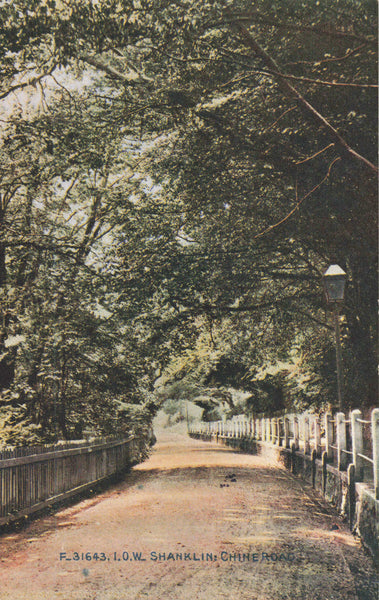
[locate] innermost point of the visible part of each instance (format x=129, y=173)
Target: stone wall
x=354, y=501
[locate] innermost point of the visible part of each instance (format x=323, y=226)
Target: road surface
x=195, y=521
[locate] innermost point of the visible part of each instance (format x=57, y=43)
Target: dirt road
x=196, y=521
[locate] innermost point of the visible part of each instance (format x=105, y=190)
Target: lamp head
x=334, y=283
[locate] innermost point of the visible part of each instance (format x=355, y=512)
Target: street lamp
x=334, y=283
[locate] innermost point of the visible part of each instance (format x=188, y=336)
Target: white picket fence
x=345, y=439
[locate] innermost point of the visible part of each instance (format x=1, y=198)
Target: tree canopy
x=176, y=176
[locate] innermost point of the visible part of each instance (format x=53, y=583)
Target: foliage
x=175, y=178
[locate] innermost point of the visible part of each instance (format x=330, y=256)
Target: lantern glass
x=334, y=281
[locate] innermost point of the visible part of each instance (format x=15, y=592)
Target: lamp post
x=334, y=283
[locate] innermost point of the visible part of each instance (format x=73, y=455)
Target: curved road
x=195, y=521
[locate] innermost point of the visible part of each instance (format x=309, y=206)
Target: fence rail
x=32, y=478
x=343, y=440
x=11, y=452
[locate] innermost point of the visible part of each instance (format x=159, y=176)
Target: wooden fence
x=36, y=477
x=343, y=440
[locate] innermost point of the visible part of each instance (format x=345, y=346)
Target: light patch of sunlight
x=317, y=534
x=256, y=539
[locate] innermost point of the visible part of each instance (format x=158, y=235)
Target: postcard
x=188, y=289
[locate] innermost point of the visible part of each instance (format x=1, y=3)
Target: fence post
x=286, y=432
x=341, y=441
x=269, y=432
x=375, y=448
x=357, y=443
x=273, y=431
x=328, y=435
x=279, y=431
x=293, y=458
x=306, y=433
x=296, y=432
x=313, y=459
x=351, y=493
x=317, y=432
x=324, y=460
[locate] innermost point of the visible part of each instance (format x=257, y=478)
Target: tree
x=62, y=352
x=169, y=177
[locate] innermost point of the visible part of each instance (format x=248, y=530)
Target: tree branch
x=114, y=73
x=329, y=60
x=299, y=202
x=292, y=92
x=291, y=108
x=317, y=81
x=254, y=16
x=32, y=81
x=301, y=162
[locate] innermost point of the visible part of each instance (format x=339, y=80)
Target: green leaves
x=190, y=168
